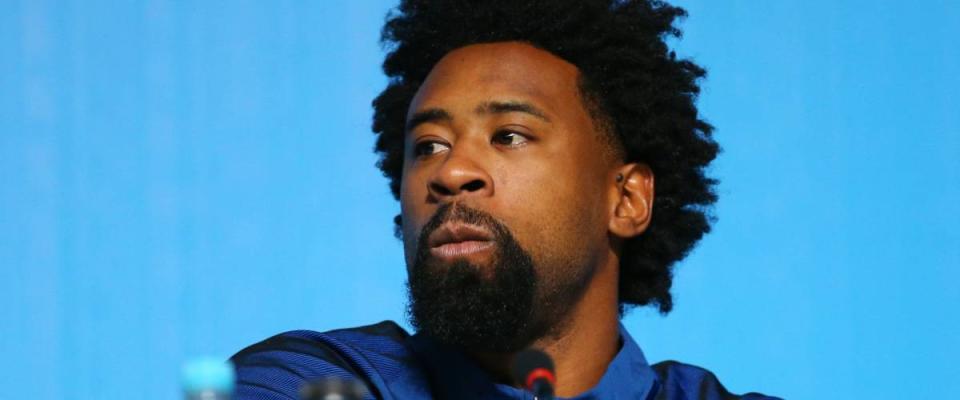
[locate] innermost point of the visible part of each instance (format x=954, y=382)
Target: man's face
x=504, y=196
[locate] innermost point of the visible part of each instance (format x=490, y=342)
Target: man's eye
x=429, y=148
x=508, y=138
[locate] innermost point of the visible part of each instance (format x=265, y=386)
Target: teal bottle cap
x=207, y=373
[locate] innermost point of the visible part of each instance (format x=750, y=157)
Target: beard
x=504, y=310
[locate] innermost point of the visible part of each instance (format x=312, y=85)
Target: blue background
x=186, y=178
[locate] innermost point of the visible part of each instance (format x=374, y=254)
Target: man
x=548, y=158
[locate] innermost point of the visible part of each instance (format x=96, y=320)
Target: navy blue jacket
x=396, y=365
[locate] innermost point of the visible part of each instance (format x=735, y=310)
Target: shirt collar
x=453, y=375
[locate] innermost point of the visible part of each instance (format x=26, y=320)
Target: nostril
x=440, y=189
x=473, y=185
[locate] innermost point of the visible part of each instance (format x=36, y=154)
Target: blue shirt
x=396, y=365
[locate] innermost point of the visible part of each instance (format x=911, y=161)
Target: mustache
x=460, y=213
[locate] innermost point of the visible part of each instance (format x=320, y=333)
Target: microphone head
x=532, y=365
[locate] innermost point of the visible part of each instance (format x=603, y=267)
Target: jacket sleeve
x=277, y=368
x=681, y=381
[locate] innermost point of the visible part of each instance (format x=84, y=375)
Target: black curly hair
x=633, y=86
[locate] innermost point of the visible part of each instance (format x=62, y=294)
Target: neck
x=586, y=344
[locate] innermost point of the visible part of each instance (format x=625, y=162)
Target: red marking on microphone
x=538, y=374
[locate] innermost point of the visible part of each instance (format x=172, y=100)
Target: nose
x=458, y=176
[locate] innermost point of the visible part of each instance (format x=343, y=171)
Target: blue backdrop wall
x=186, y=178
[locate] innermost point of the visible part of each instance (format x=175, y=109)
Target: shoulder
x=685, y=381
x=277, y=367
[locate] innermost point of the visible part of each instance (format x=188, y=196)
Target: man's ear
x=633, y=201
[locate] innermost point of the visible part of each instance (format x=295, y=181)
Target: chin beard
x=458, y=304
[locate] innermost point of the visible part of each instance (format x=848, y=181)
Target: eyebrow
x=428, y=115
x=490, y=107
x=503, y=107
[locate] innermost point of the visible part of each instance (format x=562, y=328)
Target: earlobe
x=633, y=190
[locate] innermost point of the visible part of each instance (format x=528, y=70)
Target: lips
x=457, y=240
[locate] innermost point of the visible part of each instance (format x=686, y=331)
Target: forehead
x=500, y=71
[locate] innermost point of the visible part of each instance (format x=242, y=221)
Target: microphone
x=533, y=370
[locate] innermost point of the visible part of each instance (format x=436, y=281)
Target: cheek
x=413, y=194
x=412, y=213
x=556, y=214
